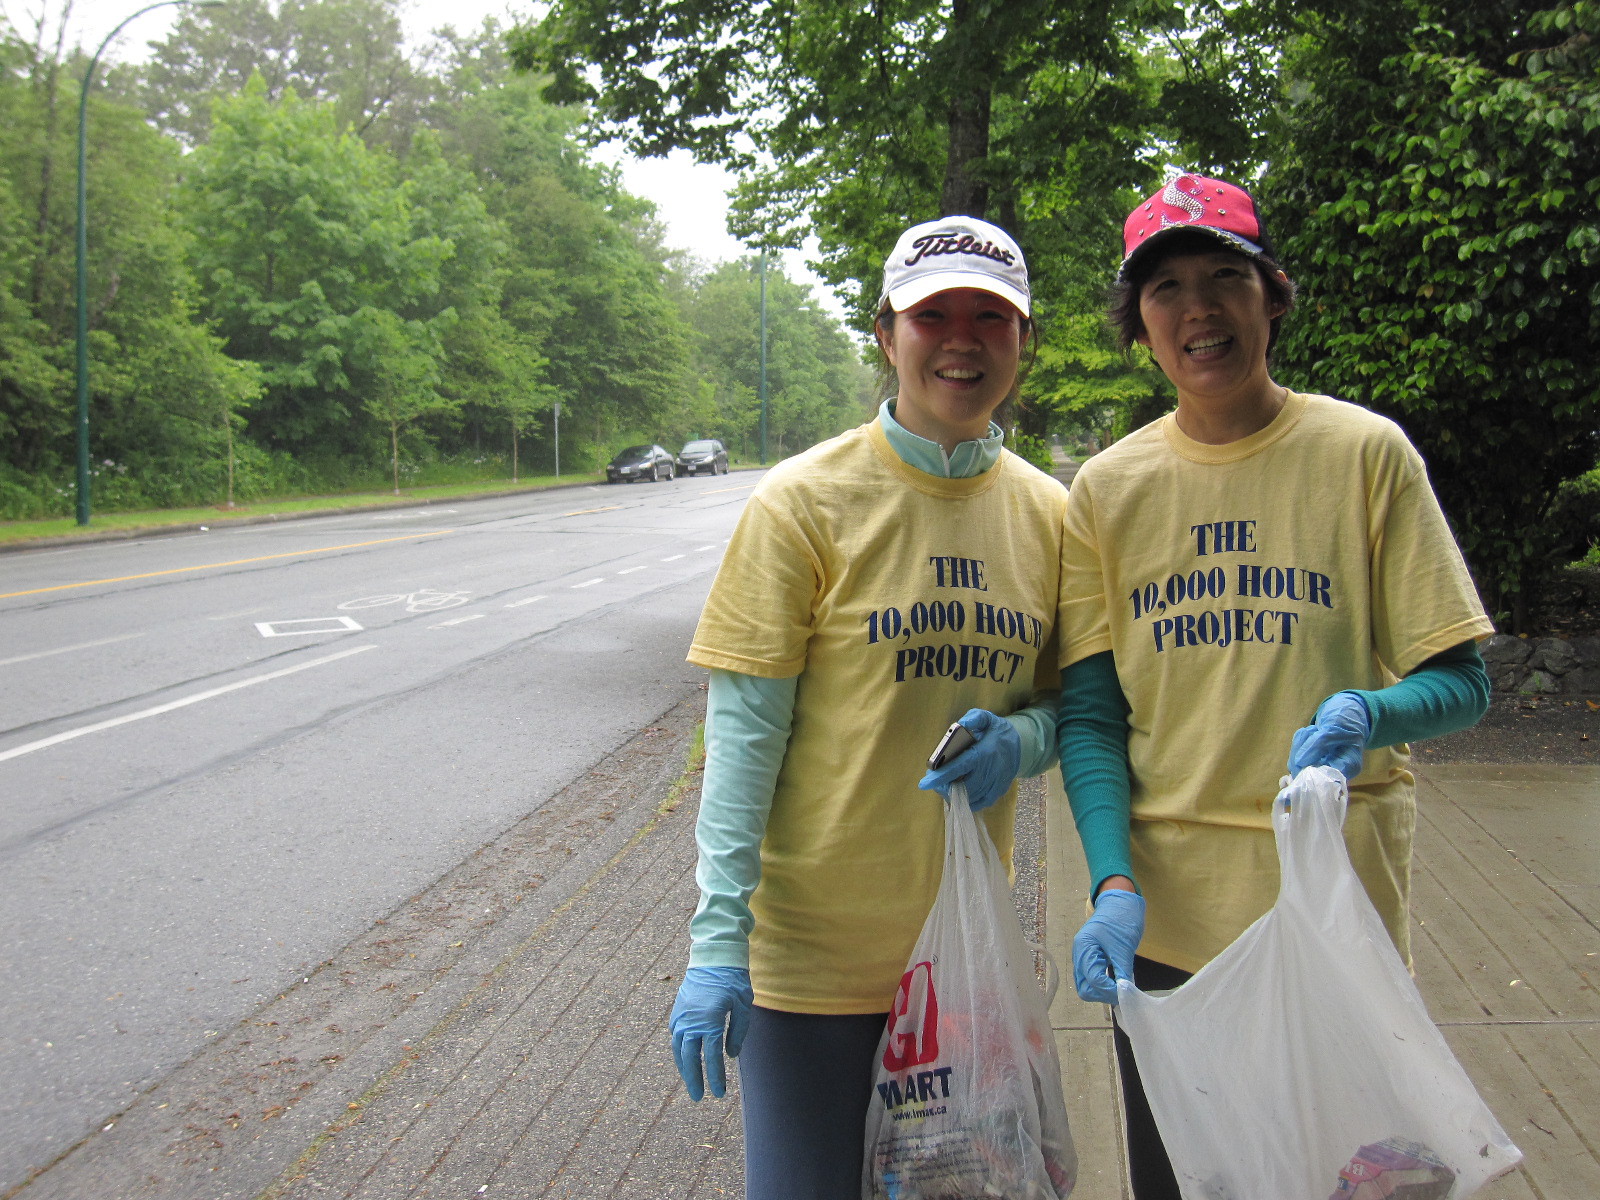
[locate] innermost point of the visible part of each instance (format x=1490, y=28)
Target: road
x=226, y=755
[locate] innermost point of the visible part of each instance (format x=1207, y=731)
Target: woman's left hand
x=987, y=766
x=1337, y=736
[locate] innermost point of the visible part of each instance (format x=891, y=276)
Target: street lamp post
x=763, y=356
x=83, y=254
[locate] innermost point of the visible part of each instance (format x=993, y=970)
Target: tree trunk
x=513, y=452
x=394, y=453
x=968, y=143
x=227, y=426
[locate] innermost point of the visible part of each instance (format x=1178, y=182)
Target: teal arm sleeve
x=747, y=732
x=1036, y=726
x=1447, y=692
x=1092, y=739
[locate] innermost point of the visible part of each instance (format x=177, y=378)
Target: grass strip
x=67, y=527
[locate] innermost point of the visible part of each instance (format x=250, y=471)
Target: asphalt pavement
x=223, y=756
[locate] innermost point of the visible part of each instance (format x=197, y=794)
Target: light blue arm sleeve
x=747, y=732
x=1036, y=726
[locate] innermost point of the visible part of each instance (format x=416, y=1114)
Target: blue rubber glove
x=987, y=766
x=1102, y=953
x=710, y=999
x=1336, y=738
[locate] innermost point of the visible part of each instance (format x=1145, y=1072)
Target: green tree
x=851, y=120
x=398, y=374
x=347, y=53
x=586, y=280
x=159, y=379
x=298, y=228
x=1438, y=192
x=816, y=383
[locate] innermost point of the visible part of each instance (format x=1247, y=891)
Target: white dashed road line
x=458, y=620
x=57, y=739
x=529, y=600
x=673, y=557
x=631, y=570
x=6, y=662
x=589, y=582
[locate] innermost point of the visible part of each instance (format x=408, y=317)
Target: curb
x=144, y=531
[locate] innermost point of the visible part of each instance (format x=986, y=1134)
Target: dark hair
x=1123, y=305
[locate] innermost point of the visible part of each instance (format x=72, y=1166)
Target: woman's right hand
x=711, y=1014
x=987, y=767
x=1103, y=951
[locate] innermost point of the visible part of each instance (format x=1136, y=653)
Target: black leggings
x=804, y=1084
x=1149, y=1170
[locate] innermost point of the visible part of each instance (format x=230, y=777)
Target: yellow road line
x=62, y=587
x=583, y=511
x=719, y=491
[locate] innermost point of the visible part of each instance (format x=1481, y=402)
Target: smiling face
x=1207, y=319
x=956, y=356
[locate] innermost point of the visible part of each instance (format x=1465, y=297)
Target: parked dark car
x=708, y=455
x=641, y=462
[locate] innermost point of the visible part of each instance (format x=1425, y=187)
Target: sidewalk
x=504, y=1034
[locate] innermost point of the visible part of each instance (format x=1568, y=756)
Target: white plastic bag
x=1300, y=1063
x=968, y=1099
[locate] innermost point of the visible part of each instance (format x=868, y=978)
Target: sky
x=691, y=199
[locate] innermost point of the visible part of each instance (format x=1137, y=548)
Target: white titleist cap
x=954, y=252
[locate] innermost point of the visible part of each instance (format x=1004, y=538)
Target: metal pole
x=763, y=357
x=82, y=286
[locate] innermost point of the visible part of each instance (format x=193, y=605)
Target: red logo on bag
x=913, y=1021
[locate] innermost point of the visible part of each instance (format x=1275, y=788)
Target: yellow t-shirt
x=901, y=600
x=1238, y=586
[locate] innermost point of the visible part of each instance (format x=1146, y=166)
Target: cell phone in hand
x=956, y=739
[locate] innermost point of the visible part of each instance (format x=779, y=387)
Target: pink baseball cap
x=1211, y=206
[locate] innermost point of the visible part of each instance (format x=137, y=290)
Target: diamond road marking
x=306, y=625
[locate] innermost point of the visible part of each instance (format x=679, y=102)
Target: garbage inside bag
x=1394, y=1169
x=967, y=1100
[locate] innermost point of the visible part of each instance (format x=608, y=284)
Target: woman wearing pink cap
x=1256, y=560
x=878, y=587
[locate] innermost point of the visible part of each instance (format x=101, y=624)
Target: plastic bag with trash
x=968, y=1099
x=1301, y=1060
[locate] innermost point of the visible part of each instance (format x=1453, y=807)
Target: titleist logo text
x=953, y=243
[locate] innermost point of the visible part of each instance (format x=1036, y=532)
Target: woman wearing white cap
x=1255, y=560
x=878, y=587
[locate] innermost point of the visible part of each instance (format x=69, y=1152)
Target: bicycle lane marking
x=237, y=562
x=182, y=702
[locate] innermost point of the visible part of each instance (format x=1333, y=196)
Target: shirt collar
x=970, y=458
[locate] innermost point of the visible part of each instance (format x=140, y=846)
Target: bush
x=1034, y=450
